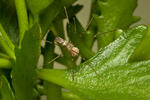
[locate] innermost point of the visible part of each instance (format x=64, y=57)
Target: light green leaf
x=69, y=96
x=108, y=75
x=5, y=63
x=142, y=51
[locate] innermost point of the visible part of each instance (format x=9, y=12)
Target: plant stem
x=53, y=91
x=22, y=18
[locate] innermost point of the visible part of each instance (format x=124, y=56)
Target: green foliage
x=9, y=20
x=114, y=14
x=119, y=70
x=5, y=89
x=109, y=74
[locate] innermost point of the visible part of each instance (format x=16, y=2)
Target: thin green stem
x=22, y=18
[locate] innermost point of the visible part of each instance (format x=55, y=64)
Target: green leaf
x=6, y=46
x=37, y=5
x=9, y=20
x=109, y=75
x=142, y=51
x=24, y=69
x=114, y=14
x=6, y=38
x=5, y=89
x=5, y=63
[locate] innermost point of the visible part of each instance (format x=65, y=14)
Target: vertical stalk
x=53, y=91
x=22, y=18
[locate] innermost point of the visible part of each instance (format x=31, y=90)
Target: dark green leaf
x=49, y=14
x=8, y=19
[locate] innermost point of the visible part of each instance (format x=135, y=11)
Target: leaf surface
x=24, y=69
x=109, y=75
x=114, y=14
x=5, y=89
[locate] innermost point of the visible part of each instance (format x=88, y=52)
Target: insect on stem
x=74, y=51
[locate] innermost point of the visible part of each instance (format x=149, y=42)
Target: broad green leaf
x=5, y=89
x=114, y=14
x=108, y=75
x=24, y=69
